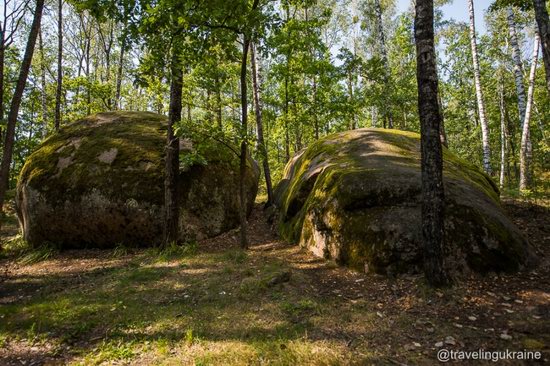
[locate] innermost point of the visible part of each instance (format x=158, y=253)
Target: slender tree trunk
x=384, y=54
x=541, y=14
x=287, y=137
x=525, y=151
x=89, y=81
x=171, y=234
x=120, y=72
x=479, y=93
x=43, y=92
x=433, y=209
x=2, y=60
x=518, y=66
x=315, y=113
x=208, y=107
x=59, y=65
x=259, y=125
x=502, y=132
x=244, y=146
x=16, y=102
x=442, y=132
x=351, y=101
x=219, y=103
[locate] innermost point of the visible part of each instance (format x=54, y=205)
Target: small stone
x=439, y=344
x=505, y=336
x=450, y=340
x=472, y=318
x=458, y=325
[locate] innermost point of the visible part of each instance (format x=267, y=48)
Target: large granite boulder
x=99, y=182
x=355, y=197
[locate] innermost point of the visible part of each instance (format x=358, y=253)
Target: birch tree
x=479, y=93
x=518, y=66
x=525, y=151
x=541, y=15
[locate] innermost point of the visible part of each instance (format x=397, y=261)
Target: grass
x=204, y=307
x=194, y=305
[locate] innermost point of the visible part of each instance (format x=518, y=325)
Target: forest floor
x=273, y=304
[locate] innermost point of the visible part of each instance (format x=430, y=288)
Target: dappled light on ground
x=273, y=303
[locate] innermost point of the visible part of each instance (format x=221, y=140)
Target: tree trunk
x=59, y=65
x=442, y=132
x=2, y=59
x=171, y=207
x=351, y=101
x=384, y=54
x=433, y=209
x=287, y=137
x=43, y=92
x=502, y=132
x=219, y=103
x=479, y=93
x=259, y=125
x=244, y=147
x=16, y=102
x=525, y=150
x=518, y=67
x=315, y=113
x=119, y=72
x=541, y=14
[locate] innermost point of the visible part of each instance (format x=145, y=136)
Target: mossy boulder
x=355, y=197
x=99, y=182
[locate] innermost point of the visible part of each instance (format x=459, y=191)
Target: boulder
x=355, y=197
x=99, y=182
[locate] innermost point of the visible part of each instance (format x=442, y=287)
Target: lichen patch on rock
x=108, y=156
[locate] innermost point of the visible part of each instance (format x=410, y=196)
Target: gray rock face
x=99, y=182
x=356, y=197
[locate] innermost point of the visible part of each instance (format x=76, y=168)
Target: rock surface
x=355, y=197
x=99, y=182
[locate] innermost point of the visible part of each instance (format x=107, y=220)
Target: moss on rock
x=99, y=182
x=355, y=197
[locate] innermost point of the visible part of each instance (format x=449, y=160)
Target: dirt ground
x=274, y=304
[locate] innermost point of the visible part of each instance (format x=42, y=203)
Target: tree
x=171, y=220
x=541, y=15
x=259, y=123
x=13, y=13
x=524, y=158
x=16, y=101
x=59, y=65
x=518, y=67
x=479, y=93
x=384, y=54
x=433, y=209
